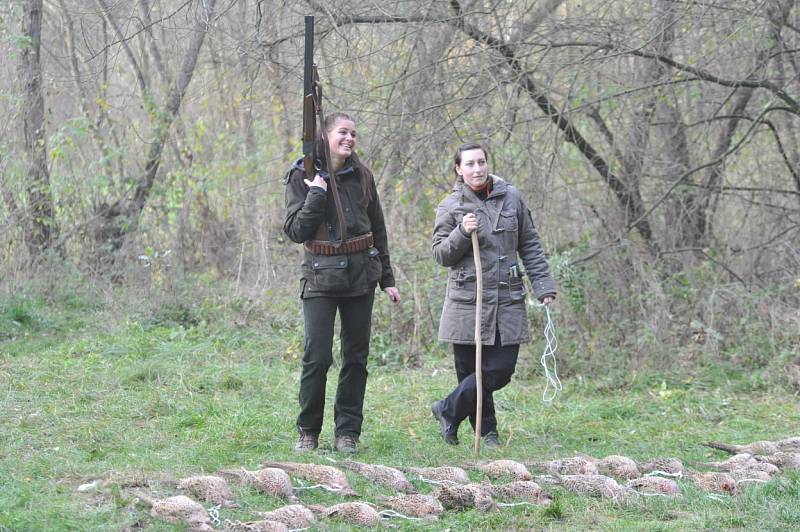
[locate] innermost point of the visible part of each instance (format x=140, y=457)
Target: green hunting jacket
x=506, y=235
x=348, y=275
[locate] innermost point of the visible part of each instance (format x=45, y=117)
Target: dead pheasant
x=786, y=461
x=592, y=485
x=735, y=461
x=576, y=465
x=270, y=480
x=744, y=466
x=382, y=475
x=765, y=467
x=713, y=481
x=790, y=445
x=178, y=509
x=465, y=496
x=356, y=513
x=655, y=486
x=325, y=475
x=294, y=516
x=414, y=505
x=501, y=468
x=662, y=466
x=786, y=445
x=617, y=466
x=519, y=490
x=209, y=488
x=749, y=474
x=254, y=526
x=440, y=474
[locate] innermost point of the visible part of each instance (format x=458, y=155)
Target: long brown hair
x=320, y=155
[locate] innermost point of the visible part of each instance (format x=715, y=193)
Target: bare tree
x=122, y=217
x=40, y=221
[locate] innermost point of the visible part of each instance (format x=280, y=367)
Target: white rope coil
x=552, y=382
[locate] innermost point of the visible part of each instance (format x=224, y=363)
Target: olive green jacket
x=352, y=274
x=505, y=232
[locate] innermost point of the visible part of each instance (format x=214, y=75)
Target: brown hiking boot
x=307, y=442
x=346, y=444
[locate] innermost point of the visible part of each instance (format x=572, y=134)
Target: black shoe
x=346, y=444
x=449, y=430
x=491, y=440
x=307, y=442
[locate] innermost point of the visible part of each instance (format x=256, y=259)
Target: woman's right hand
x=318, y=182
x=470, y=223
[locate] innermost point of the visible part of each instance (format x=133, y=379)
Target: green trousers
x=355, y=314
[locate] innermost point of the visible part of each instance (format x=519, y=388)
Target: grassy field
x=145, y=399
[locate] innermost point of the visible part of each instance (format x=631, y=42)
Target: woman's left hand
x=393, y=293
x=548, y=300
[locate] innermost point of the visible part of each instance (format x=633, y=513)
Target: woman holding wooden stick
x=507, y=240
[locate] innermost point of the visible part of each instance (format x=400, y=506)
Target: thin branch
x=693, y=171
x=794, y=105
x=624, y=195
x=146, y=27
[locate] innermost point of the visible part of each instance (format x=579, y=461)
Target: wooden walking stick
x=476, y=254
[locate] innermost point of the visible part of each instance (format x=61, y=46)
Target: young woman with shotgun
x=337, y=276
x=506, y=235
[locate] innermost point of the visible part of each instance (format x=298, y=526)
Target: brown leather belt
x=351, y=245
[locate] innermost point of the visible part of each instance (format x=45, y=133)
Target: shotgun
x=312, y=111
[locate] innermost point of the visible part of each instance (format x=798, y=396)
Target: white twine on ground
x=512, y=504
x=332, y=488
x=754, y=480
x=391, y=513
x=443, y=482
x=658, y=473
x=213, y=513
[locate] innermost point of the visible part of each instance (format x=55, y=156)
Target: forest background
x=143, y=145
x=145, y=277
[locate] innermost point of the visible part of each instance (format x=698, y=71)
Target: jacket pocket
x=462, y=289
x=330, y=272
x=516, y=289
x=374, y=266
x=507, y=221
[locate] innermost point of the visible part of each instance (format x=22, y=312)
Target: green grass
x=148, y=399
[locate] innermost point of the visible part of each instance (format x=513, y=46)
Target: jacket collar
x=499, y=187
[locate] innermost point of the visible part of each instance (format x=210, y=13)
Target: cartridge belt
x=351, y=245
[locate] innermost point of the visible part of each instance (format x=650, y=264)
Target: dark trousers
x=497, y=366
x=355, y=314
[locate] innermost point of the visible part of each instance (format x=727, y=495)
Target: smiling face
x=473, y=168
x=342, y=139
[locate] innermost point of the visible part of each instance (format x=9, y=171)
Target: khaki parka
x=347, y=275
x=506, y=232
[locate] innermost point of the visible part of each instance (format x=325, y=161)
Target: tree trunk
x=40, y=226
x=119, y=220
